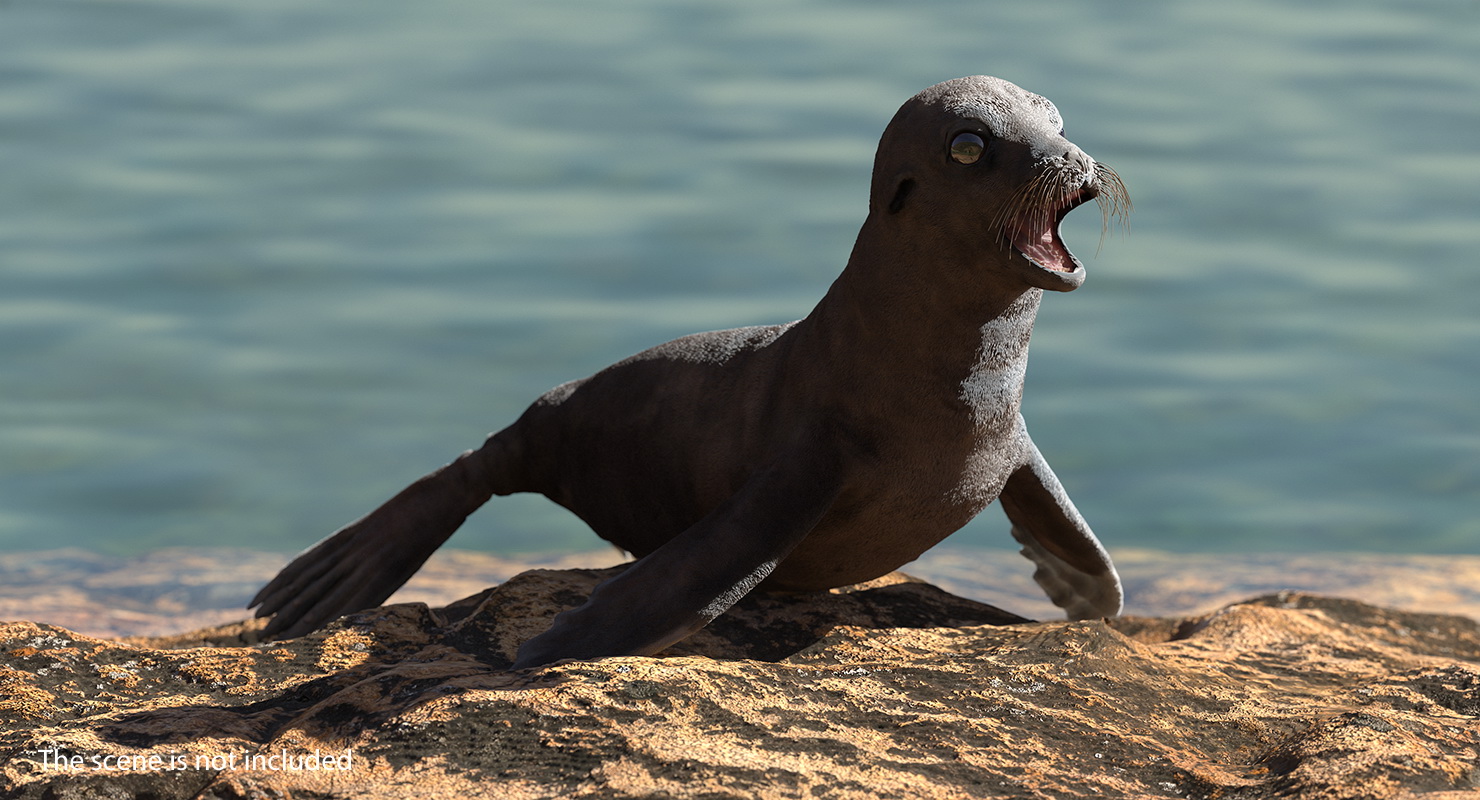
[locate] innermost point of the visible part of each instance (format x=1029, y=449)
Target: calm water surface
x=262, y=264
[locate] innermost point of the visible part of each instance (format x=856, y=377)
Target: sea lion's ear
x=901, y=193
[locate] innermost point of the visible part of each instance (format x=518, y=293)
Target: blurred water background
x=262, y=264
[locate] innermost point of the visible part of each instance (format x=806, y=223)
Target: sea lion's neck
x=924, y=308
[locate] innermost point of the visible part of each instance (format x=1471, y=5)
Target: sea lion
x=805, y=456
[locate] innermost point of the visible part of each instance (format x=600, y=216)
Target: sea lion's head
x=982, y=168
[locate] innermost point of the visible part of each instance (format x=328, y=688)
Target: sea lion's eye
x=966, y=148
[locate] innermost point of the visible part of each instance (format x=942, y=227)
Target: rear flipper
x=1073, y=568
x=683, y=585
x=363, y=563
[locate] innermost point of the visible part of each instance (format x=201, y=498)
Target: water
x=263, y=264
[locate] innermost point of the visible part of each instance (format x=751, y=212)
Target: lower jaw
x=1064, y=279
x=1064, y=264
x=1052, y=256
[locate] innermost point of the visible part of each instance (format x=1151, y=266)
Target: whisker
x=1032, y=205
x=1020, y=201
x=1113, y=199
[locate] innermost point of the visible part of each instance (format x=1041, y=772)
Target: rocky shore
x=895, y=688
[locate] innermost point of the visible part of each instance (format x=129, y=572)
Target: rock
x=890, y=689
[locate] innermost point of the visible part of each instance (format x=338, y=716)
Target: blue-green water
x=261, y=264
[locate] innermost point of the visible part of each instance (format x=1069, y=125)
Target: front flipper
x=1073, y=568
x=683, y=585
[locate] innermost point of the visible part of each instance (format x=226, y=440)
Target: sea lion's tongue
x=1036, y=237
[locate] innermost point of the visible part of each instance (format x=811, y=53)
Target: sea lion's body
x=806, y=456
x=700, y=417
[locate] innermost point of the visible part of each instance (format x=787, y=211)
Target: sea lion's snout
x=1077, y=160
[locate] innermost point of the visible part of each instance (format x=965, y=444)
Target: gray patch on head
x=1010, y=112
x=1048, y=108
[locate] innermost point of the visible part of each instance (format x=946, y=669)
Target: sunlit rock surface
x=892, y=689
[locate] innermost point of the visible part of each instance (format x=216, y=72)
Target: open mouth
x=1034, y=233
